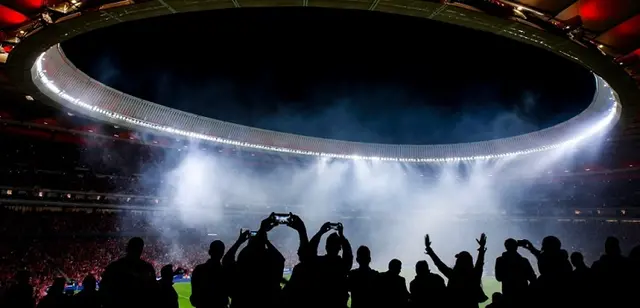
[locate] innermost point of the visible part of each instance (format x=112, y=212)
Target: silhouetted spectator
x=515, y=273
x=363, y=281
x=581, y=281
x=88, y=297
x=56, y=298
x=465, y=278
x=553, y=261
x=129, y=281
x=612, y=273
x=551, y=287
x=427, y=289
x=299, y=289
x=258, y=271
x=209, y=281
x=393, y=287
x=230, y=266
x=331, y=270
x=497, y=301
x=20, y=294
x=167, y=295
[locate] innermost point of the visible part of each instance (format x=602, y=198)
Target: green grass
x=184, y=291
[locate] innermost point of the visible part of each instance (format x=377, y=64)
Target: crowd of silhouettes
x=253, y=277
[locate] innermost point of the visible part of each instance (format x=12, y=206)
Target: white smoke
x=397, y=203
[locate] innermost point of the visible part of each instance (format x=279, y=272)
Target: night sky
x=350, y=75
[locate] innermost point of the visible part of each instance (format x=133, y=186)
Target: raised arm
x=274, y=252
x=229, y=258
x=297, y=224
x=482, y=243
x=347, y=253
x=443, y=268
x=532, y=249
x=315, y=240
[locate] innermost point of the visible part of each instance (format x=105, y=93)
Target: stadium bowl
x=40, y=66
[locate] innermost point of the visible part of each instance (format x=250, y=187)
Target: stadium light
x=610, y=115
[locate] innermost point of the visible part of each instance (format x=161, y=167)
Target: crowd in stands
x=61, y=236
x=75, y=243
x=547, y=274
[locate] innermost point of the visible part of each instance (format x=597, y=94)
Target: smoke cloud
x=387, y=206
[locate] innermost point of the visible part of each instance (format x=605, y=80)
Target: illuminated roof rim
x=69, y=86
x=23, y=56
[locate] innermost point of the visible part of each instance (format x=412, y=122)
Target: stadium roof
x=610, y=27
x=614, y=24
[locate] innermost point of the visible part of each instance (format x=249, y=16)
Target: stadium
x=76, y=181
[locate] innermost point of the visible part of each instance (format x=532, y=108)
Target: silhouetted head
x=496, y=297
x=253, y=241
x=511, y=245
x=363, y=256
x=464, y=261
x=577, y=260
x=134, y=247
x=422, y=268
x=395, y=266
x=166, y=273
x=333, y=245
x=89, y=283
x=612, y=246
x=216, y=250
x=57, y=288
x=551, y=244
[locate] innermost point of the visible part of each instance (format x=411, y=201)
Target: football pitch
x=184, y=291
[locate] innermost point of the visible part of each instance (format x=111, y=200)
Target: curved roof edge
x=567, y=133
x=70, y=87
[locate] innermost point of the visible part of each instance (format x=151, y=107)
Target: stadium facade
x=42, y=70
x=68, y=86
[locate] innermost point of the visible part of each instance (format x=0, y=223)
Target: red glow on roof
x=630, y=27
x=30, y=4
x=624, y=35
x=10, y=17
x=603, y=14
x=593, y=9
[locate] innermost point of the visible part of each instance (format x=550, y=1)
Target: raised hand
x=340, y=230
x=268, y=223
x=244, y=236
x=325, y=227
x=482, y=241
x=295, y=222
x=427, y=241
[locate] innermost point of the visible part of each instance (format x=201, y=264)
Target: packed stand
x=547, y=273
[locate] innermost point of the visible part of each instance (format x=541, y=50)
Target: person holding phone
x=331, y=270
x=259, y=265
x=514, y=271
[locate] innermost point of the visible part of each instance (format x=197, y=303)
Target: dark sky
x=351, y=75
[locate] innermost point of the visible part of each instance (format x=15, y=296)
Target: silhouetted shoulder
x=200, y=267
